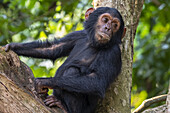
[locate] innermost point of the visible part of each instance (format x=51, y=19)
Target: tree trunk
x=118, y=96
x=17, y=93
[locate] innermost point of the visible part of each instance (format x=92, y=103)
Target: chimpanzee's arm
x=85, y=84
x=90, y=84
x=46, y=49
x=108, y=68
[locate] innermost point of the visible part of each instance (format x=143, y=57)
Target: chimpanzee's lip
x=104, y=36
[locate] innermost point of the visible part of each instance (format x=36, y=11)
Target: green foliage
x=152, y=50
x=27, y=20
x=137, y=98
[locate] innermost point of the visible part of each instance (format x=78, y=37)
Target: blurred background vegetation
x=28, y=20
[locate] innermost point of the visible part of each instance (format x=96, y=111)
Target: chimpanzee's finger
x=7, y=48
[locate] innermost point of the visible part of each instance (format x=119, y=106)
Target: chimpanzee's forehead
x=112, y=11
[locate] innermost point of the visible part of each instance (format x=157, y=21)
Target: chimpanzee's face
x=106, y=27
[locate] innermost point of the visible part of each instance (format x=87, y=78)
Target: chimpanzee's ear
x=124, y=32
x=88, y=12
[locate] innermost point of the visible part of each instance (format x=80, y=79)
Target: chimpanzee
x=94, y=61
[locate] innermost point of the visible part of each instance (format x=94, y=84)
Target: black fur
x=89, y=69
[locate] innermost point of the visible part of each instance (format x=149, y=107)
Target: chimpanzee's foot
x=51, y=101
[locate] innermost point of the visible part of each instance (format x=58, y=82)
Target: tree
x=118, y=95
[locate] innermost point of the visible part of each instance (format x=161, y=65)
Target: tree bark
x=118, y=96
x=17, y=93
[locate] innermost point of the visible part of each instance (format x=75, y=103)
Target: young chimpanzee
x=94, y=61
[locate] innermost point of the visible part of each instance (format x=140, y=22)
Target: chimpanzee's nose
x=107, y=27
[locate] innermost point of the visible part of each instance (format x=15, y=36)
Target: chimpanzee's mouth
x=104, y=36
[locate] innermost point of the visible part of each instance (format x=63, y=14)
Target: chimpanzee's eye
x=105, y=20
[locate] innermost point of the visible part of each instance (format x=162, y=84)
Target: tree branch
x=148, y=102
x=17, y=92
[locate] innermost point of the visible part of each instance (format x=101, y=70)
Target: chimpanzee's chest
x=82, y=54
x=80, y=60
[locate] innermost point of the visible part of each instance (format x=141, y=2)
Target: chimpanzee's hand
x=10, y=46
x=40, y=86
